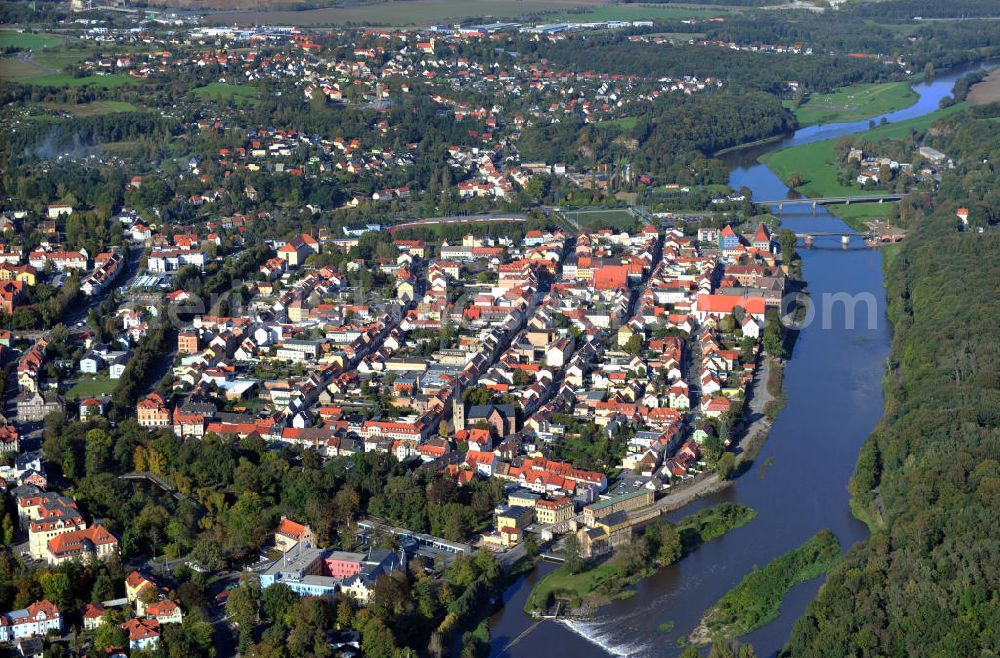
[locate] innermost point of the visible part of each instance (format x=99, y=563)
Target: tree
x=377, y=640
x=7, y=530
x=345, y=613
x=574, y=561
x=634, y=556
x=98, y=456
x=278, y=601
x=787, y=239
x=110, y=634
x=346, y=504
x=796, y=179
x=477, y=395
x=726, y=465
x=56, y=587
x=669, y=547
x=728, y=324
x=774, y=342
x=242, y=605
x=884, y=174
x=634, y=344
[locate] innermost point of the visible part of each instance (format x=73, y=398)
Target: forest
x=673, y=136
x=927, y=582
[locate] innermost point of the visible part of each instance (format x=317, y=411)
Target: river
x=798, y=484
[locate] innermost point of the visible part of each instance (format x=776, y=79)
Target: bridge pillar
x=809, y=240
x=814, y=207
x=845, y=240
x=848, y=201
x=881, y=200
x=781, y=208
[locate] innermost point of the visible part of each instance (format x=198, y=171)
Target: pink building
x=341, y=564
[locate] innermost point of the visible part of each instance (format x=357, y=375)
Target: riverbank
x=813, y=166
x=749, y=145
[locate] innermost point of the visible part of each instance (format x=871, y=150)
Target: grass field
x=624, y=123
x=678, y=36
x=63, y=80
x=816, y=162
x=58, y=58
x=395, y=12
x=222, y=91
x=26, y=40
x=855, y=103
x=91, y=388
x=577, y=585
x=861, y=211
x=633, y=13
x=856, y=214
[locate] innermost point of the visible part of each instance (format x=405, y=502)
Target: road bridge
x=824, y=200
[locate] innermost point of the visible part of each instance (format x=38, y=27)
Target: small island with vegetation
x=588, y=585
x=756, y=600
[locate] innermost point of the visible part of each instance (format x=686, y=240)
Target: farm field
x=224, y=91
x=95, y=108
x=987, y=91
x=420, y=13
x=815, y=162
x=855, y=103
x=46, y=57
x=16, y=68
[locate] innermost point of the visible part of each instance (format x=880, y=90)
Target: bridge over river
x=824, y=200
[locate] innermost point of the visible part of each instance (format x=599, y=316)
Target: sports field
x=855, y=103
x=222, y=91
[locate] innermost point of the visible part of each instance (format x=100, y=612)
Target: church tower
x=457, y=408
